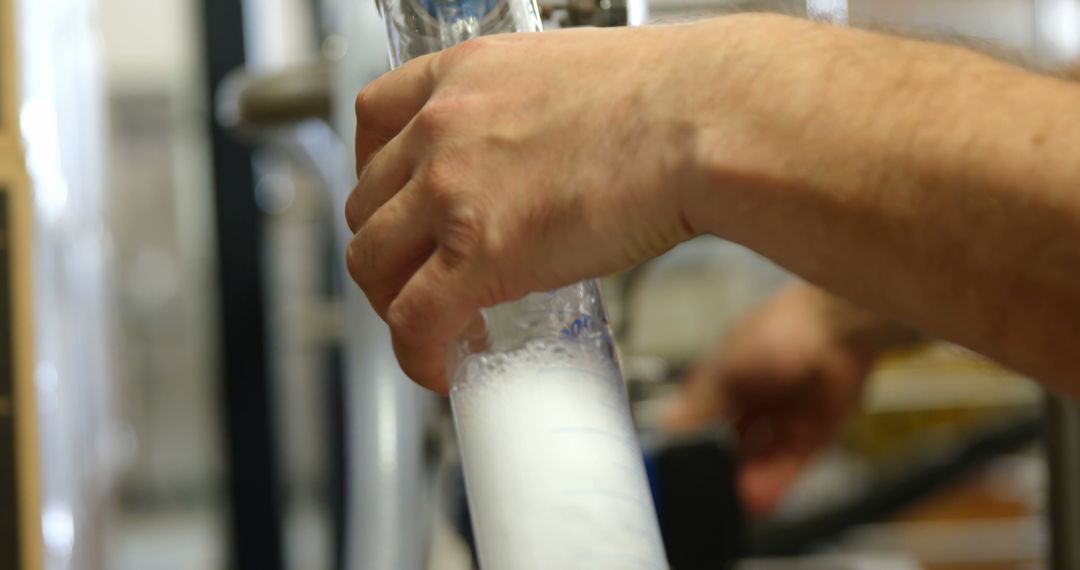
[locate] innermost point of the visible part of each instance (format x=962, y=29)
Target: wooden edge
x=26, y=399
x=9, y=95
x=14, y=179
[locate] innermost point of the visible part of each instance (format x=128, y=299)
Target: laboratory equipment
x=418, y=27
x=553, y=469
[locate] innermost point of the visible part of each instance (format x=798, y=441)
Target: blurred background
x=209, y=393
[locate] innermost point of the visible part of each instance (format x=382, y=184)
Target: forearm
x=925, y=182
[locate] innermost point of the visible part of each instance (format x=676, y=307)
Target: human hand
x=787, y=377
x=508, y=165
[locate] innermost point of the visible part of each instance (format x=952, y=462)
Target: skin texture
x=787, y=378
x=472, y=201
x=940, y=188
x=927, y=183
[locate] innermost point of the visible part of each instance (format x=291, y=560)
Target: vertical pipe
x=388, y=514
x=277, y=33
x=255, y=514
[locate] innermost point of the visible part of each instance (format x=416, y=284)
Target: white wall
x=150, y=43
x=1010, y=23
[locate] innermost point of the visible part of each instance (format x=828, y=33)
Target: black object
x=458, y=503
x=10, y=554
x=1062, y=448
x=337, y=481
x=701, y=518
x=255, y=509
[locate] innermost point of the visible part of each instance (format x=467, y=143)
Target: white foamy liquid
x=554, y=473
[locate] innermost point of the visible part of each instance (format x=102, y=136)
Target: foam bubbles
x=554, y=472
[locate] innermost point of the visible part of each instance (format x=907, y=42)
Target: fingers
x=386, y=105
x=775, y=447
x=418, y=289
x=389, y=247
x=391, y=257
x=387, y=173
x=431, y=311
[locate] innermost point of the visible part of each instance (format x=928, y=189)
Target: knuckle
x=438, y=115
x=361, y=264
x=469, y=48
x=444, y=178
x=441, y=186
x=431, y=120
x=365, y=106
x=367, y=246
x=352, y=210
x=466, y=233
x=404, y=318
x=465, y=236
x=352, y=263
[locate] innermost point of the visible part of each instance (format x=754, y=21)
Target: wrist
x=755, y=95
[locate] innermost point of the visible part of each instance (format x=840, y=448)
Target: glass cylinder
x=419, y=27
x=554, y=473
x=553, y=469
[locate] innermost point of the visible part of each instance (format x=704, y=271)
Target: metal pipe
x=388, y=518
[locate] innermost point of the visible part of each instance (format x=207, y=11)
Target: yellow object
x=20, y=505
x=935, y=395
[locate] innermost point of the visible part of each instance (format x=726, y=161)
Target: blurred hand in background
x=787, y=378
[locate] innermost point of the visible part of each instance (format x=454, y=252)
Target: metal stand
x=255, y=511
